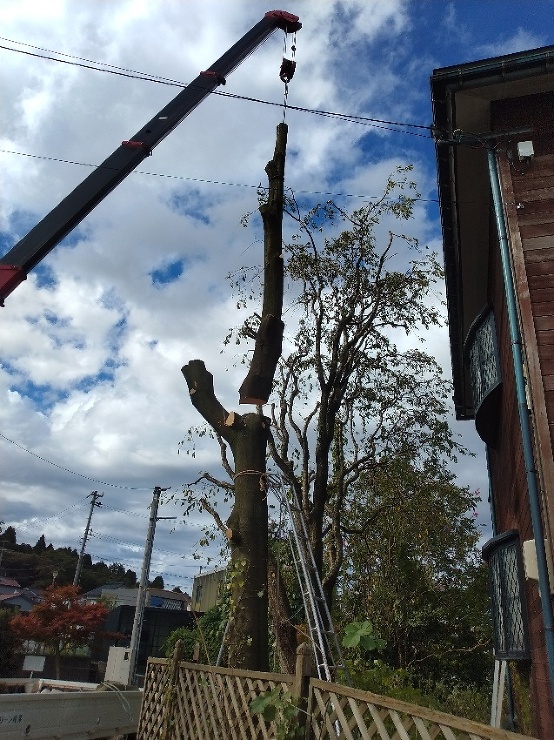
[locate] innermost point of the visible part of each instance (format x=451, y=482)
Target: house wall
x=528, y=189
x=157, y=625
x=207, y=590
x=528, y=196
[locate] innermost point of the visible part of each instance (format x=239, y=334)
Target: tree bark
x=247, y=436
x=280, y=612
x=256, y=387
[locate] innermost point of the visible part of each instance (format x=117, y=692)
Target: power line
x=142, y=75
x=68, y=470
x=159, y=551
x=26, y=523
x=134, y=172
x=133, y=74
x=80, y=503
x=105, y=559
x=203, y=180
x=125, y=511
x=145, y=516
x=109, y=538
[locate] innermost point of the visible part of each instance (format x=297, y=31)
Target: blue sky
x=92, y=343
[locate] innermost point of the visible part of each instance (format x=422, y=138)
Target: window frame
x=507, y=590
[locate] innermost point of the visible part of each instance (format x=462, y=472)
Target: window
x=503, y=555
x=482, y=360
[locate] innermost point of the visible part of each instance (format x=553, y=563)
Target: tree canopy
x=33, y=568
x=9, y=645
x=359, y=432
x=62, y=620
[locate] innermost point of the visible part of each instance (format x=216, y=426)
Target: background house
x=157, y=624
x=207, y=589
x=165, y=611
x=116, y=594
x=495, y=152
x=14, y=596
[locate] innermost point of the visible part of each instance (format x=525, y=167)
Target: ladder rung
x=323, y=637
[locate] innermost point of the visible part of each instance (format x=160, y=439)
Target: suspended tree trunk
x=247, y=437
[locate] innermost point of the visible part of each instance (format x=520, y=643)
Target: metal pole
x=93, y=496
x=141, y=597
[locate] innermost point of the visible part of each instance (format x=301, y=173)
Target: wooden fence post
x=169, y=698
x=301, y=685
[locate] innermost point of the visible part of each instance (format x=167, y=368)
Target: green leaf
x=361, y=633
x=264, y=705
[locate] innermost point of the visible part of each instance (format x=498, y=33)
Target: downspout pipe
x=524, y=417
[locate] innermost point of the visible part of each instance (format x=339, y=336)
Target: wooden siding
x=537, y=241
x=528, y=195
x=509, y=486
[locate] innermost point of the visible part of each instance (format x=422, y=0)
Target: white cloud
x=92, y=377
x=521, y=40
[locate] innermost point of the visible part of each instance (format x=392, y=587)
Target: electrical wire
x=63, y=511
x=106, y=560
x=125, y=511
x=109, y=538
x=37, y=522
x=134, y=72
x=80, y=503
x=68, y=470
x=145, y=516
x=380, y=123
x=29, y=525
x=203, y=180
x=134, y=172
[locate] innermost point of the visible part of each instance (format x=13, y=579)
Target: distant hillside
x=34, y=566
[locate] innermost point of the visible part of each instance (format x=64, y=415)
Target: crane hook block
x=287, y=21
x=288, y=67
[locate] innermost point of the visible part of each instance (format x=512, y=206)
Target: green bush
x=397, y=683
x=209, y=631
x=188, y=637
x=470, y=702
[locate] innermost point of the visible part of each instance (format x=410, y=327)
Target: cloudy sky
x=91, y=345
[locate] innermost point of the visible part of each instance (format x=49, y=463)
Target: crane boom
x=64, y=217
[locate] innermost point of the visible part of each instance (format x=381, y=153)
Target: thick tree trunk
x=247, y=526
x=247, y=636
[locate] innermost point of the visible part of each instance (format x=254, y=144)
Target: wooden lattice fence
x=187, y=700
x=198, y=702
x=340, y=712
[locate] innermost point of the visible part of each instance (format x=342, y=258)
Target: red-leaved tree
x=61, y=621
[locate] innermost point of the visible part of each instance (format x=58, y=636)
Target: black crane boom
x=64, y=217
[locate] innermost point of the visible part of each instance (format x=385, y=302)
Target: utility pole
x=94, y=496
x=141, y=597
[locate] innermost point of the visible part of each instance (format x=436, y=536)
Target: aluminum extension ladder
x=325, y=645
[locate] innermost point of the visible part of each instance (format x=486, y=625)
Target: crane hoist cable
x=288, y=67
